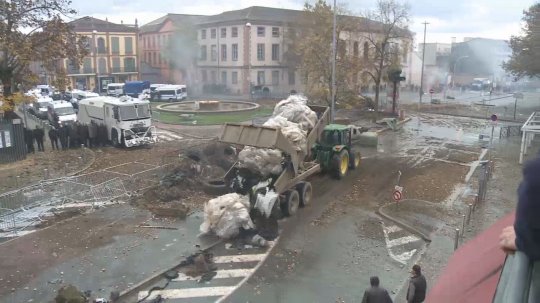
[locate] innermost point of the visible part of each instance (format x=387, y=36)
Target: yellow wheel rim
x=344, y=164
x=357, y=160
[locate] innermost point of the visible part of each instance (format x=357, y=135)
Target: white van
x=115, y=89
x=171, y=93
x=61, y=112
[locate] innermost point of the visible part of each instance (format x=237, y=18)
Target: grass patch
x=208, y=119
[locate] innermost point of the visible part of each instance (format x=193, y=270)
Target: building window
x=129, y=45
x=213, y=52
x=366, y=51
x=204, y=76
x=203, y=36
x=223, y=31
x=115, y=45
x=223, y=52
x=355, y=49
x=101, y=46
x=102, y=66
x=234, y=77
x=234, y=32
x=260, y=78
x=275, y=31
x=213, y=33
x=154, y=58
x=158, y=41
x=146, y=57
x=234, y=52
x=275, y=77
x=129, y=65
x=153, y=41
x=275, y=52
x=116, y=65
x=159, y=58
x=224, y=77
x=213, y=76
x=260, y=31
x=292, y=80
x=87, y=66
x=260, y=51
x=203, y=53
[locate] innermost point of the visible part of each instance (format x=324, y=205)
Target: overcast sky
x=497, y=19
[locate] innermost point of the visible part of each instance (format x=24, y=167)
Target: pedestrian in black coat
x=83, y=134
x=73, y=135
x=53, y=137
x=92, y=133
x=417, y=286
x=29, y=139
x=63, y=134
x=376, y=294
x=39, y=134
x=102, y=135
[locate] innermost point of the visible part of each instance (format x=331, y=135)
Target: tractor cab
x=335, y=151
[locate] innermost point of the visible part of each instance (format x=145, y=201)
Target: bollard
x=456, y=239
x=463, y=226
x=45, y=174
x=17, y=181
x=469, y=214
x=66, y=168
x=82, y=146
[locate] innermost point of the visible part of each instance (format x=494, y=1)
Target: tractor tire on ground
x=305, y=190
x=291, y=203
x=354, y=161
x=340, y=164
x=214, y=187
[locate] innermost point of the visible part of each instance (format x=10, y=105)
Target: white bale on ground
x=295, y=109
x=226, y=214
x=263, y=160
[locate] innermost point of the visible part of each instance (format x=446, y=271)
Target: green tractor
x=335, y=152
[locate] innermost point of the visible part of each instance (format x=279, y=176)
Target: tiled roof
x=177, y=19
x=88, y=24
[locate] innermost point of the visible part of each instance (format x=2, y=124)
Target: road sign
x=431, y=91
x=494, y=118
x=397, y=195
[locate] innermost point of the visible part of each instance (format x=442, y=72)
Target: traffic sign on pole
x=397, y=195
x=431, y=91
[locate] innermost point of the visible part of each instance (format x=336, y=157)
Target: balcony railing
x=519, y=280
x=80, y=71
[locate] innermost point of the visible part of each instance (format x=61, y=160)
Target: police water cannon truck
x=128, y=120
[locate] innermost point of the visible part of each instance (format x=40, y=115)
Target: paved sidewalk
x=103, y=251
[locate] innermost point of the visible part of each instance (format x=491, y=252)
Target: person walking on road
x=63, y=135
x=29, y=139
x=73, y=135
x=83, y=134
x=376, y=294
x=417, y=286
x=39, y=134
x=53, y=137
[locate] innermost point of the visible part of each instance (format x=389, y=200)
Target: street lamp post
x=423, y=59
x=333, y=105
x=94, y=55
x=248, y=26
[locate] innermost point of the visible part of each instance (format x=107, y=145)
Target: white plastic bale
x=295, y=109
x=263, y=160
x=292, y=131
x=226, y=214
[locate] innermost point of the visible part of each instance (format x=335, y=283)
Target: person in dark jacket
x=376, y=294
x=83, y=134
x=92, y=133
x=73, y=135
x=63, y=134
x=29, y=139
x=525, y=234
x=39, y=134
x=102, y=135
x=417, y=286
x=53, y=137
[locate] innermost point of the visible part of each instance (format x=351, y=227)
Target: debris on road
x=225, y=215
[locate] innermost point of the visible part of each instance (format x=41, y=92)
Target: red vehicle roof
x=473, y=271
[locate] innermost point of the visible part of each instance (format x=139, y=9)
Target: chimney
x=106, y=19
x=121, y=21
x=136, y=23
x=453, y=40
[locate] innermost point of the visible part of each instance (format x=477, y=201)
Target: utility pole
x=333, y=115
x=423, y=57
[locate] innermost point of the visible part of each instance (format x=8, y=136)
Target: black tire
x=215, y=187
x=305, y=190
x=291, y=203
x=355, y=159
x=340, y=164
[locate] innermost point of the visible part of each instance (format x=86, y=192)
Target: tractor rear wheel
x=291, y=203
x=340, y=164
x=305, y=190
x=356, y=157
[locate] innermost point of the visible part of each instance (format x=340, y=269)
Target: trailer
x=128, y=120
x=330, y=148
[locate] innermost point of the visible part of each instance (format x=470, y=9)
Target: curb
x=161, y=272
x=402, y=224
x=400, y=123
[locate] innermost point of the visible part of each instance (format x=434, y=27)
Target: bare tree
x=383, y=29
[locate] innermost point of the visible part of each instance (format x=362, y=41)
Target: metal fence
x=12, y=143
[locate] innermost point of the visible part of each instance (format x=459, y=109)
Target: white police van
x=171, y=93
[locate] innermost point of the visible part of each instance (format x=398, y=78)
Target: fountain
x=208, y=107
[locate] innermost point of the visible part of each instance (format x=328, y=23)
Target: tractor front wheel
x=340, y=164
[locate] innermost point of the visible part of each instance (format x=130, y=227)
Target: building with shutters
x=113, y=54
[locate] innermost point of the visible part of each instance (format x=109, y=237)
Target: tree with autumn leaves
x=34, y=30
